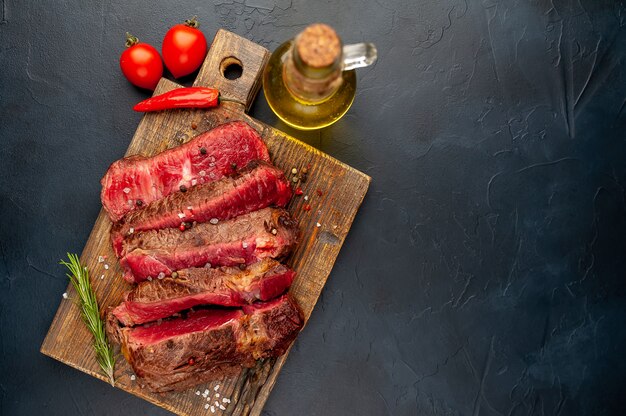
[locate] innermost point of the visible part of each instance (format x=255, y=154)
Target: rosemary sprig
x=79, y=276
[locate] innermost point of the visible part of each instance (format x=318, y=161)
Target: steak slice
x=257, y=186
x=207, y=344
x=225, y=286
x=269, y=232
x=136, y=180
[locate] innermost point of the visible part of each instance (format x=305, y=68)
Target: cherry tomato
x=184, y=48
x=141, y=63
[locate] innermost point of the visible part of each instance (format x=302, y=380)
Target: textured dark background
x=484, y=274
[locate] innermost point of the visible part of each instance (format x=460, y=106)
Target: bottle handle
x=359, y=55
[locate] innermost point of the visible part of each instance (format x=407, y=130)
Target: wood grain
x=342, y=191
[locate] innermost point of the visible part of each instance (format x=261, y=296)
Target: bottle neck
x=311, y=85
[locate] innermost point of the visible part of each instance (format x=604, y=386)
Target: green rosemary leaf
x=79, y=276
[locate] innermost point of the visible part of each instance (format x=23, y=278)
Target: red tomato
x=141, y=63
x=184, y=48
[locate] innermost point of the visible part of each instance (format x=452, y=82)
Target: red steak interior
x=133, y=182
x=203, y=320
x=225, y=286
x=246, y=239
x=257, y=186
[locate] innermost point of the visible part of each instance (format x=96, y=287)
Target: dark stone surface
x=484, y=274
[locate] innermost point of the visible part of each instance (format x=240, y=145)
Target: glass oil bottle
x=310, y=82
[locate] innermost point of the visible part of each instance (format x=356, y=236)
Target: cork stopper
x=318, y=46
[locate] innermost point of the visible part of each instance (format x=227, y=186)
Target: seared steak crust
x=269, y=232
x=225, y=286
x=202, y=346
x=256, y=186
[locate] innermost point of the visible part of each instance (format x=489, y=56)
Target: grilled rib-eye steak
x=226, y=286
x=135, y=181
x=269, y=232
x=206, y=344
x=257, y=186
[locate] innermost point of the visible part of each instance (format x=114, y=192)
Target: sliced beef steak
x=257, y=186
x=267, y=233
x=226, y=286
x=135, y=181
x=206, y=344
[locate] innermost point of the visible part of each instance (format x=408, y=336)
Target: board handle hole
x=231, y=68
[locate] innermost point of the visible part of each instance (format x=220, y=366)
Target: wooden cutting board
x=324, y=228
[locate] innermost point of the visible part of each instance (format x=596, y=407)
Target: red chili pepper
x=319, y=192
x=299, y=191
x=191, y=361
x=182, y=226
x=307, y=207
x=192, y=97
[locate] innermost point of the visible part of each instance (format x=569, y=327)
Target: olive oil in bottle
x=310, y=82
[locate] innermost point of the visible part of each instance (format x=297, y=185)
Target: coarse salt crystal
x=208, y=265
x=274, y=231
x=202, y=173
x=194, y=182
x=65, y=295
x=132, y=230
x=197, y=392
x=212, y=409
x=132, y=377
x=106, y=267
x=306, y=197
x=212, y=175
x=244, y=245
x=217, y=403
x=102, y=277
x=211, y=164
x=222, y=407
x=181, y=215
x=126, y=190
x=225, y=400
x=217, y=395
x=161, y=276
x=206, y=406
x=214, y=221
x=216, y=388
x=206, y=391
x=149, y=278
x=190, y=208
x=318, y=224
x=100, y=259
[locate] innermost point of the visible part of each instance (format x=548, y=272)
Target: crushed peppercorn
x=183, y=188
x=203, y=150
x=194, y=126
x=139, y=202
